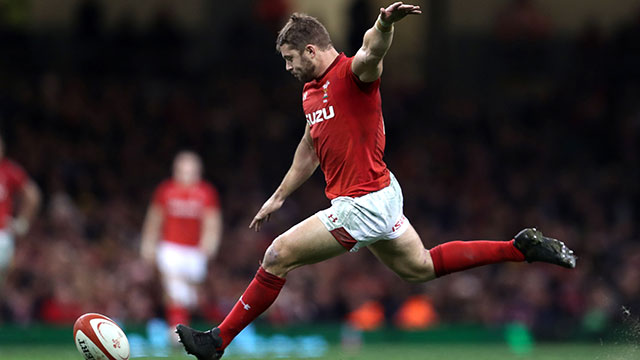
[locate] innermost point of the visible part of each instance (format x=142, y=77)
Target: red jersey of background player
x=183, y=208
x=347, y=128
x=12, y=179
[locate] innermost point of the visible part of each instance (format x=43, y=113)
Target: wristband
x=384, y=23
x=383, y=26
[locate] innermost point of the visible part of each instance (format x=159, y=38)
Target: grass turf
x=389, y=351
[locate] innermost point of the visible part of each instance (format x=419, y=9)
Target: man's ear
x=310, y=50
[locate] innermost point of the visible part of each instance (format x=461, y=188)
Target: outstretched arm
x=367, y=63
x=305, y=162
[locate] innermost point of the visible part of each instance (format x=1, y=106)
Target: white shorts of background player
x=182, y=268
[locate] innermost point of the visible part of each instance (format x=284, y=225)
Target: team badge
x=325, y=89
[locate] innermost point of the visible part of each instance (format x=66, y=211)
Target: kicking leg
x=528, y=244
x=408, y=259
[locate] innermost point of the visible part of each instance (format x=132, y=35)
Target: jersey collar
x=334, y=63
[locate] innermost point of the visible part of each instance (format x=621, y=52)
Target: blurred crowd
x=545, y=133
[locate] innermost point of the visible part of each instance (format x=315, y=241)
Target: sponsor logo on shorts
x=398, y=224
x=332, y=218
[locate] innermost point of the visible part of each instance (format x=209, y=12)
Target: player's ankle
x=226, y=338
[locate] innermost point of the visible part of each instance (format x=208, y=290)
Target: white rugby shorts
x=186, y=262
x=361, y=221
x=182, y=268
x=7, y=248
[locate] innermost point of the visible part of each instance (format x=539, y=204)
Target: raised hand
x=397, y=11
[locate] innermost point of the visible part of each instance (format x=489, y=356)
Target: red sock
x=461, y=255
x=177, y=314
x=260, y=294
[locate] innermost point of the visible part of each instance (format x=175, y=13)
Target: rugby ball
x=99, y=338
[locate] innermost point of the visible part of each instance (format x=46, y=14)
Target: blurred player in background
x=345, y=135
x=19, y=201
x=181, y=233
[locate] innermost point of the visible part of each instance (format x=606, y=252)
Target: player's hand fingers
x=415, y=9
x=259, y=222
x=412, y=10
x=395, y=13
x=386, y=12
x=394, y=6
x=408, y=9
x=255, y=223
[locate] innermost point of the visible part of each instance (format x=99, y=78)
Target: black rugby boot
x=201, y=344
x=537, y=247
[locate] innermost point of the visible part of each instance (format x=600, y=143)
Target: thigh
x=406, y=256
x=308, y=242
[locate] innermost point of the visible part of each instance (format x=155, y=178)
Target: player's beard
x=307, y=70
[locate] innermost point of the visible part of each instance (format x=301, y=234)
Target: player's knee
x=271, y=257
x=277, y=259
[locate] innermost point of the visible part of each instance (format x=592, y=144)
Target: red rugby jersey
x=12, y=179
x=347, y=128
x=183, y=208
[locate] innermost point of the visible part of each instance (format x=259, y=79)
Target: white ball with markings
x=99, y=338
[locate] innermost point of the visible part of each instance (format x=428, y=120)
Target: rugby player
x=181, y=233
x=15, y=187
x=345, y=136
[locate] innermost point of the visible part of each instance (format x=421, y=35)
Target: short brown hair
x=302, y=29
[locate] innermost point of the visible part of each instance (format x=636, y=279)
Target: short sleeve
x=18, y=178
x=366, y=87
x=212, y=198
x=160, y=195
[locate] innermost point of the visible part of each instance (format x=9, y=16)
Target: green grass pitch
x=389, y=351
